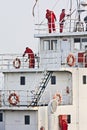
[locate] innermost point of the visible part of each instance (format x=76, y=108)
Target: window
x=27, y=119
x=84, y=45
x=84, y=79
x=77, y=45
x=22, y=80
x=53, y=45
x=1, y=117
x=46, y=45
x=53, y=79
x=84, y=40
x=77, y=40
x=50, y=45
x=69, y=118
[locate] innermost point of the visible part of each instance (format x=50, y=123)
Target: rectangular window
x=77, y=40
x=50, y=45
x=1, y=117
x=22, y=80
x=69, y=118
x=27, y=119
x=53, y=45
x=84, y=40
x=84, y=79
x=77, y=46
x=46, y=45
x=53, y=79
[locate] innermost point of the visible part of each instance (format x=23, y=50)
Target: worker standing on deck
x=62, y=20
x=51, y=17
x=31, y=57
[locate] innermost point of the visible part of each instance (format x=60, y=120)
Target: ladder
x=41, y=88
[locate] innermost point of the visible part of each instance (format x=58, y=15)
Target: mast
x=70, y=15
x=79, y=18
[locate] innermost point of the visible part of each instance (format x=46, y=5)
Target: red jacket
x=62, y=16
x=29, y=52
x=50, y=16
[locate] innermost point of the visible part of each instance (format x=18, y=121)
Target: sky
x=17, y=23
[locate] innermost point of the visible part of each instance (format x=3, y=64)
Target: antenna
x=79, y=18
x=70, y=15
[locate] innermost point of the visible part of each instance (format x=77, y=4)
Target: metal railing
x=15, y=61
x=69, y=26
x=7, y=62
x=17, y=98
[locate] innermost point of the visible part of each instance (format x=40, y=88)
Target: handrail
x=43, y=28
x=7, y=61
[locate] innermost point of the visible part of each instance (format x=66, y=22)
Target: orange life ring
x=13, y=99
x=71, y=60
x=58, y=97
x=17, y=63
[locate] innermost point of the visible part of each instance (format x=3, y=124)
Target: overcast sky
x=17, y=22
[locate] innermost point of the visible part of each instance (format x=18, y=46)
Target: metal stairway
x=41, y=88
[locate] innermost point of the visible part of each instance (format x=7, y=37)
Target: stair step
x=41, y=88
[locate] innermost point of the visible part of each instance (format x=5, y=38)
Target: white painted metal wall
x=14, y=120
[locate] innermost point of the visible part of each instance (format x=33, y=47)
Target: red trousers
x=31, y=62
x=61, y=27
x=51, y=27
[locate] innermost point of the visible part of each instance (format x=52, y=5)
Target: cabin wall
x=23, y=91
x=82, y=99
x=12, y=81
x=54, y=51
x=63, y=79
x=15, y=120
x=32, y=82
x=73, y=103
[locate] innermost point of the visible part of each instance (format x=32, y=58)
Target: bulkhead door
x=65, y=49
x=2, y=125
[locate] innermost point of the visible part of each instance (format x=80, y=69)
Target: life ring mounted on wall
x=17, y=63
x=13, y=99
x=71, y=60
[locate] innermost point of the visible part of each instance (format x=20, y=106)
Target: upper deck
x=56, y=51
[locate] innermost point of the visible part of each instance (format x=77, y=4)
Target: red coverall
x=61, y=20
x=64, y=125
x=51, y=20
x=30, y=57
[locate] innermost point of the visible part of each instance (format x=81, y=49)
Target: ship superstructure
x=49, y=92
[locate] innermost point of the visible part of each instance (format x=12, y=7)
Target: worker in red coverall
x=51, y=17
x=61, y=20
x=31, y=57
x=64, y=125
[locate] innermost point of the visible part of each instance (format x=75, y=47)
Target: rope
x=34, y=7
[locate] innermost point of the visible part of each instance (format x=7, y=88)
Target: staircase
x=41, y=88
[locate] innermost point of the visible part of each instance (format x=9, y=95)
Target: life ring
x=17, y=63
x=13, y=99
x=71, y=60
x=58, y=97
